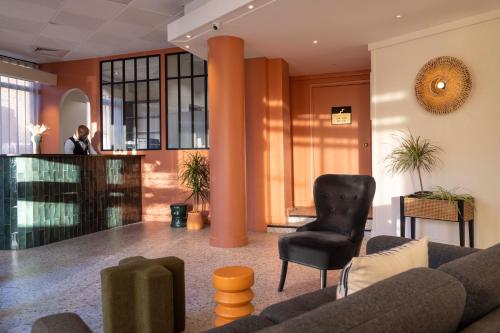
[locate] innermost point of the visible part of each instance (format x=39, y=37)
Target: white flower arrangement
x=37, y=129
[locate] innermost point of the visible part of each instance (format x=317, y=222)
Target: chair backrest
x=343, y=202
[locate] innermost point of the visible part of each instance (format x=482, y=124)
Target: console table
x=453, y=211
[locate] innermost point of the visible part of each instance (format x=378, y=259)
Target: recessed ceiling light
x=399, y=16
x=187, y=46
x=188, y=36
x=315, y=42
x=250, y=7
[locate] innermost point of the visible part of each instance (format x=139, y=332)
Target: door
x=341, y=149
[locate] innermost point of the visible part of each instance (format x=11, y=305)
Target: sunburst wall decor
x=443, y=85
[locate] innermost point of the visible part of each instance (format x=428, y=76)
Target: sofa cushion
x=488, y=324
x=364, y=271
x=439, y=254
x=480, y=274
x=315, y=249
x=296, y=306
x=419, y=300
x=243, y=325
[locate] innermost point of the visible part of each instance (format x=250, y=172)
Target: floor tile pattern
x=64, y=276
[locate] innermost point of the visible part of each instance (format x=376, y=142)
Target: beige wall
x=470, y=137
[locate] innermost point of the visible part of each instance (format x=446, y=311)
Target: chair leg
x=284, y=268
x=323, y=278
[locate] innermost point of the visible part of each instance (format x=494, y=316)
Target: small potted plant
x=195, y=176
x=413, y=154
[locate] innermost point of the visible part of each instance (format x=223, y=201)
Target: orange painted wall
x=318, y=146
x=160, y=167
x=281, y=135
x=280, y=146
x=257, y=136
x=269, y=167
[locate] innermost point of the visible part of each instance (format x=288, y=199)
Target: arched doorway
x=74, y=111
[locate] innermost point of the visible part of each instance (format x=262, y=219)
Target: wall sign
x=341, y=115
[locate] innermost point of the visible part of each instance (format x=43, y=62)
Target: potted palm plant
x=413, y=154
x=195, y=176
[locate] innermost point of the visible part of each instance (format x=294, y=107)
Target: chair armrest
x=311, y=226
x=439, y=253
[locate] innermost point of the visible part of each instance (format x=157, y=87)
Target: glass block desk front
x=48, y=198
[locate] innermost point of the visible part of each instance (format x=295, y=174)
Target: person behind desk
x=79, y=143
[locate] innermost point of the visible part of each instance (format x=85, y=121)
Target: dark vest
x=78, y=147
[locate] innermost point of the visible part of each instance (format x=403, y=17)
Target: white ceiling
x=273, y=28
x=343, y=28
x=84, y=28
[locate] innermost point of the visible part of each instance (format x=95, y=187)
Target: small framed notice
x=341, y=115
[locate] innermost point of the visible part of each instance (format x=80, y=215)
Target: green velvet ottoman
x=144, y=295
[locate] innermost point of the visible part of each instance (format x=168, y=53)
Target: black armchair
x=342, y=205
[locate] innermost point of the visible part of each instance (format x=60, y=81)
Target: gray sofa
x=460, y=292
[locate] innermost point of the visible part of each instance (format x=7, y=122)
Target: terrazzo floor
x=64, y=276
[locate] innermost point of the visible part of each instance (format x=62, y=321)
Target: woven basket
x=434, y=209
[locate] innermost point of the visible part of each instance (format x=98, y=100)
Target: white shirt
x=69, y=146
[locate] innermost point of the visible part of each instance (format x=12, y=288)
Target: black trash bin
x=179, y=215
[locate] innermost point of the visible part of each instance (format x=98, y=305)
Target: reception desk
x=48, y=198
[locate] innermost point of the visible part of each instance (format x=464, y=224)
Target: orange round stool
x=233, y=294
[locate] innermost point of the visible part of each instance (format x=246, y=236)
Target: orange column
x=280, y=146
x=256, y=123
x=226, y=92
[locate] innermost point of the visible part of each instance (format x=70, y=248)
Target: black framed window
x=186, y=91
x=130, y=103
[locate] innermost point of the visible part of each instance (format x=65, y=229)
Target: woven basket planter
x=434, y=209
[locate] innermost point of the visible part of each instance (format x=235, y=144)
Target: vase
x=178, y=211
x=195, y=221
x=14, y=241
x=36, y=140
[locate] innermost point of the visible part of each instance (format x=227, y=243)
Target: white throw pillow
x=364, y=271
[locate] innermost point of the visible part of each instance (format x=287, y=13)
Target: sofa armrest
x=439, y=254
x=246, y=324
x=60, y=323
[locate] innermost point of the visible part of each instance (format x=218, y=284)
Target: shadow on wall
x=160, y=183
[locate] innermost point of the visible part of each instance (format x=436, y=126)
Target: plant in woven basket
x=440, y=193
x=195, y=175
x=413, y=153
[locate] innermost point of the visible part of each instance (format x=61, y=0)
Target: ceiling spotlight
x=315, y=42
x=250, y=7
x=188, y=36
x=399, y=16
x=187, y=46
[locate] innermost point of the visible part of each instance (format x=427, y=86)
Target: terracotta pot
x=195, y=221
